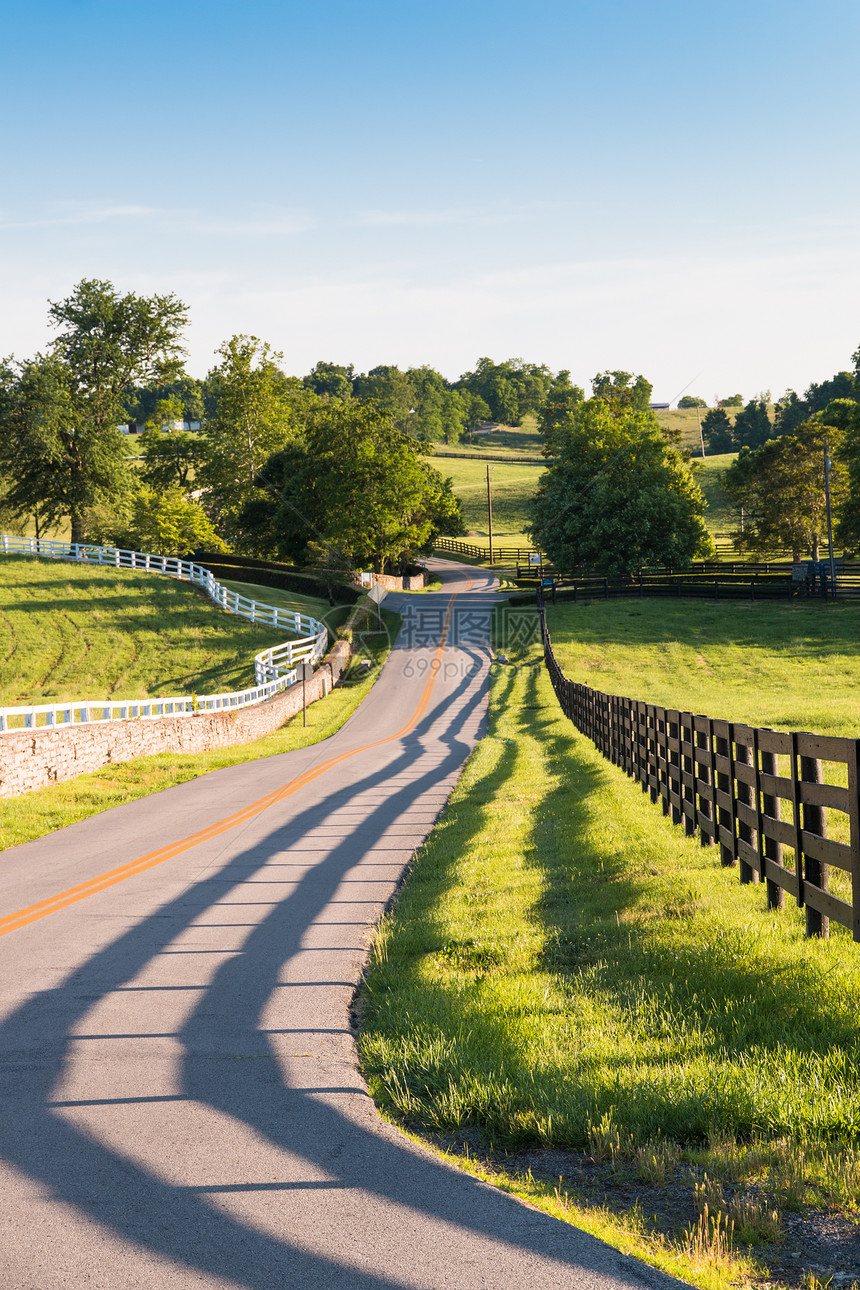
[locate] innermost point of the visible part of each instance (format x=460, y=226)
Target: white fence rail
x=274, y=668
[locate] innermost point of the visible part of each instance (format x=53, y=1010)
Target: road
x=181, y=1101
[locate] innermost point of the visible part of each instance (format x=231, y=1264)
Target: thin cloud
x=455, y=216
x=96, y=215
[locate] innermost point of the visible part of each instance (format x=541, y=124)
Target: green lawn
x=789, y=666
x=708, y=474
x=511, y=487
x=291, y=601
x=72, y=632
x=566, y=971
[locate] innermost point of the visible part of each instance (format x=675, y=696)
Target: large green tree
x=752, y=425
x=779, y=488
x=352, y=490
x=510, y=389
x=562, y=400
x=620, y=390
x=617, y=496
x=61, y=449
x=255, y=410
x=717, y=431
x=392, y=389
x=330, y=380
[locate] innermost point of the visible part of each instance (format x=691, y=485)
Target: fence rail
x=501, y=554
x=762, y=796
x=274, y=668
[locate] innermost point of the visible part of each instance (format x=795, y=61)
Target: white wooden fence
x=274, y=668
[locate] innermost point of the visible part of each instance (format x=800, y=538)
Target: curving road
x=181, y=1105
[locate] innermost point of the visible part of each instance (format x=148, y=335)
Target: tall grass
x=565, y=969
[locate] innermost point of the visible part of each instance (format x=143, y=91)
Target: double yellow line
x=51, y=905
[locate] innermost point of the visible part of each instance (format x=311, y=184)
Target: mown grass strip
x=566, y=970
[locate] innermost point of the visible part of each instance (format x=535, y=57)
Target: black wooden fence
x=762, y=796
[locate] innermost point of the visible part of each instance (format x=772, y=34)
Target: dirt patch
x=822, y=1243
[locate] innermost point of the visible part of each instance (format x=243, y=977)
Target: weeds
x=657, y=1161
x=710, y=1240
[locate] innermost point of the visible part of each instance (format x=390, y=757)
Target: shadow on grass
x=732, y=1027
x=651, y=986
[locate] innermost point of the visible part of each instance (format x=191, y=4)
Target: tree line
x=619, y=494
x=330, y=469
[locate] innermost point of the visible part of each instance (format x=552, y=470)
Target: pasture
x=511, y=486
x=574, y=992
x=73, y=632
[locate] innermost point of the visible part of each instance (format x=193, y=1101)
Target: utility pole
x=827, y=465
x=490, y=512
x=701, y=436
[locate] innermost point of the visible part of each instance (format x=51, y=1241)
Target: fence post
x=675, y=783
x=703, y=777
x=726, y=784
x=771, y=849
x=745, y=796
x=815, y=872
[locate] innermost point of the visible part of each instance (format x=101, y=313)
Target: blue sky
x=670, y=188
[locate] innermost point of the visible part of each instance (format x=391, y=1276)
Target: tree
x=331, y=381
x=752, y=425
x=510, y=389
x=780, y=486
x=842, y=420
x=840, y=386
x=169, y=457
x=185, y=393
x=689, y=401
x=355, y=489
x=392, y=390
x=475, y=410
x=619, y=390
x=563, y=397
x=164, y=522
x=733, y=401
x=717, y=431
x=60, y=445
x=255, y=411
x=617, y=496
x=789, y=412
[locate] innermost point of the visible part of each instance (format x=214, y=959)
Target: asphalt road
x=181, y=1105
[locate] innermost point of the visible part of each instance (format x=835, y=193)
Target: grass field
x=708, y=474
x=511, y=487
x=292, y=601
x=513, y=441
x=575, y=992
x=69, y=632
x=789, y=666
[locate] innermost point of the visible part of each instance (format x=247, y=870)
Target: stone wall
x=394, y=582
x=33, y=758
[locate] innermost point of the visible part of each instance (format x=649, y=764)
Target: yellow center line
x=52, y=904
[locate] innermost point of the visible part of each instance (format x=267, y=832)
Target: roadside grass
x=74, y=632
x=32, y=815
x=581, y=999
